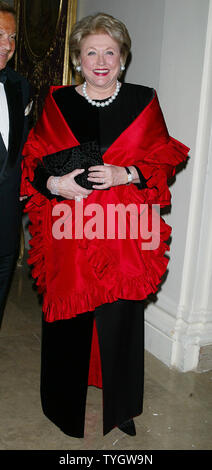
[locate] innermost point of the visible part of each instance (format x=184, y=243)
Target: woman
x=94, y=287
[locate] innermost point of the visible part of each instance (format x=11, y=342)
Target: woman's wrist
x=53, y=184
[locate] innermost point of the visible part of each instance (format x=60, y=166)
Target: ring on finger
x=78, y=198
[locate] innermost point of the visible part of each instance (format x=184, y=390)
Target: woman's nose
x=101, y=59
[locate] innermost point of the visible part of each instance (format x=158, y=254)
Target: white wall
x=170, y=52
x=182, y=58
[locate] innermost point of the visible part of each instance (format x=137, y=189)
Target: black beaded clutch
x=82, y=156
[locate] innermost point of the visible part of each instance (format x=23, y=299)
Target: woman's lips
x=101, y=73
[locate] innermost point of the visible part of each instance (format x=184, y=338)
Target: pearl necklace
x=103, y=103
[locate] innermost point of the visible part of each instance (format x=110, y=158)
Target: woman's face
x=100, y=60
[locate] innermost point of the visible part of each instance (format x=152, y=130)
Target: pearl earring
x=122, y=67
x=78, y=68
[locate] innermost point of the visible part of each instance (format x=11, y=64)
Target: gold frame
x=72, y=15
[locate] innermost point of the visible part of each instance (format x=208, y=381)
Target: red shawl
x=75, y=275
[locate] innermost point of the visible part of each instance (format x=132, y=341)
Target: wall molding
x=176, y=342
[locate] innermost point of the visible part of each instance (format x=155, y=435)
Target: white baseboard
x=159, y=331
x=177, y=343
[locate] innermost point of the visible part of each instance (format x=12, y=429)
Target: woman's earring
x=122, y=67
x=78, y=68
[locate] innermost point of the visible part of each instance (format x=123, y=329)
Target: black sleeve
x=41, y=175
x=142, y=184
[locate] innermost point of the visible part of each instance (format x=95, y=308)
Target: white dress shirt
x=4, y=116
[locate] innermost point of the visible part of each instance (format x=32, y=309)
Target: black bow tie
x=3, y=76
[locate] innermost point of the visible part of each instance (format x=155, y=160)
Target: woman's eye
x=110, y=52
x=91, y=53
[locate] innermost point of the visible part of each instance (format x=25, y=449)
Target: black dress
x=66, y=344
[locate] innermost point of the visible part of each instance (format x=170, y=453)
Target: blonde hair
x=95, y=24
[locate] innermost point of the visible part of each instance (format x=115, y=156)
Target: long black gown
x=66, y=344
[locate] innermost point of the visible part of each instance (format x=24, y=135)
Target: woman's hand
x=68, y=188
x=110, y=175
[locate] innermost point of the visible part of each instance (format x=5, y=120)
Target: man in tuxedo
x=14, y=98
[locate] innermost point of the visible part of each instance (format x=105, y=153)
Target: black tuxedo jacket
x=17, y=92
